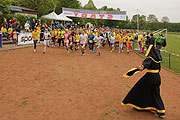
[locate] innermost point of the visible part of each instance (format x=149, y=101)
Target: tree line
x=46, y=6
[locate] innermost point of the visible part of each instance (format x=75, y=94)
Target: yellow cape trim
x=147, y=108
x=153, y=71
x=149, y=49
x=154, y=60
x=125, y=75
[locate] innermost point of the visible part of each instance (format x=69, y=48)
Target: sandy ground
x=57, y=86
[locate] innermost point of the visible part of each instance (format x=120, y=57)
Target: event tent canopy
x=63, y=17
x=52, y=16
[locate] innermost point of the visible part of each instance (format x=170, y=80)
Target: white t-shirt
x=46, y=36
x=98, y=39
x=83, y=38
x=113, y=38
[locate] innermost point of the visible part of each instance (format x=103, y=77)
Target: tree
x=90, y=5
x=104, y=8
x=118, y=9
x=165, y=19
x=4, y=6
x=42, y=6
x=67, y=3
x=152, y=18
x=152, y=22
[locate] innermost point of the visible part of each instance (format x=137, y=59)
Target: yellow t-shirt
x=55, y=34
x=140, y=38
x=52, y=33
x=129, y=39
x=77, y=37
x=59, y=34
x=10, y=30
x=3, y=30
x=120, y=40
x=117, y=37
x=35, y=35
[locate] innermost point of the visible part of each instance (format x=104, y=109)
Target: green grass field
x=173, y=46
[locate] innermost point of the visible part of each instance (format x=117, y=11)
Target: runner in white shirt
x=112, y=41
x=98, y=39
x=46, y=37
x=83, y=41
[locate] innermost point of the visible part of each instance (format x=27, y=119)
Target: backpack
x=164, y=43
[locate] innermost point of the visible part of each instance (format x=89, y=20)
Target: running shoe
x=90, y=51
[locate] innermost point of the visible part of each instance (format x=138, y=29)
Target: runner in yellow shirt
x=120, y=43
x=130, y=39
x=52, y=32
x=35, y=35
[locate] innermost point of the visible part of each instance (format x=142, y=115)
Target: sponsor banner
x=95, y=14
x=25, y=38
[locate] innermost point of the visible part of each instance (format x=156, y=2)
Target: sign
x=95, y=14
x=25, y=38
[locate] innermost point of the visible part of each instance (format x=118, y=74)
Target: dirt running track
x=57, y=86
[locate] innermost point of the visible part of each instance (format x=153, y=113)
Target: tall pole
x=166, y=37
x=137, y=20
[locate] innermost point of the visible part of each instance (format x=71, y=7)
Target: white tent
x=63, y=17
x=52, y=16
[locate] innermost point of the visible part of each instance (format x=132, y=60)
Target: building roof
x=19, y=9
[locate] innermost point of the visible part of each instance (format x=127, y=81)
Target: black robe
x=145, y=95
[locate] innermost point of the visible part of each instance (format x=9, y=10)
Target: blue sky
x=160, y=8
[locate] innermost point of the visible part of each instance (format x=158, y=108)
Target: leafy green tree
x=67, y=3
x=4, y=6
x=90, y=5
x=152, y=22
x=42, y=6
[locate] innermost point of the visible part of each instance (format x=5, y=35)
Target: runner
x=76, y=42
x=53, y=37
x=130, y=39
x=67, y=36
x=59, y=37
x=35, y=35
x=46, y=37
x=112, y=41
x=83, y=41
x=98, y=38
x=90, y=41
x=120, y=43
x=105, y=37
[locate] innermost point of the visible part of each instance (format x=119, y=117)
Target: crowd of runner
x=91, y=38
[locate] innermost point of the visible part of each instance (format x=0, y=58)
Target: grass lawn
x=173, y=46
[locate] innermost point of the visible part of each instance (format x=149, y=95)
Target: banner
x=25, y=38
x=95, y=14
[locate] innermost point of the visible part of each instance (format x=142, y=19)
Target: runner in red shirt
x=67, y=37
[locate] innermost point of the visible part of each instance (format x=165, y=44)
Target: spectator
x=28, y=19
x=27, y=26
x=33, y=24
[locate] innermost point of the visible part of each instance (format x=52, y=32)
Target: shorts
x=111, y=44
x=53, y=38
x=98, y=45
x=121, y=46
x=117, y=42
x=128, y=45
x=46, y=42
x=124, y=43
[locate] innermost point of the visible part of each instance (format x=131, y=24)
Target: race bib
x=90, y=41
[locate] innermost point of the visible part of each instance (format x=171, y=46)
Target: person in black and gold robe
x=145, y=95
